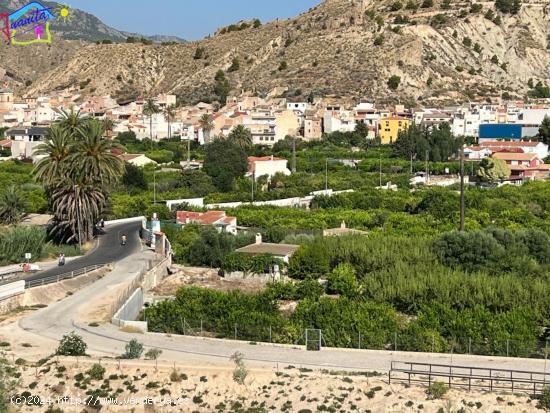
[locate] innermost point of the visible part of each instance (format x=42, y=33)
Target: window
x=272, y=138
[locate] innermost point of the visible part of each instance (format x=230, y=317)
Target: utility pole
x=188, y=152
x=154, y=186
x=380, y=169
x=411, y=163
x=427, y=170
x=253, y=186
x=294, y=154
x=462, y=206
x=326, y=174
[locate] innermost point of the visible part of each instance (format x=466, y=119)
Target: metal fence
x=65, y=276
x=470, y=377
x=342, y=338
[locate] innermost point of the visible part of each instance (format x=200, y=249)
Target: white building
x=342, y=121
x=267, y=165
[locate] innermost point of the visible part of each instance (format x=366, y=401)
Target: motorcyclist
x=123, y=240
x=61, y=261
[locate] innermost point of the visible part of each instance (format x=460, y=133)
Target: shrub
x=342, y=280
x=153, y=354
x=379, y=40
x=175, y=376
x=393, y=82
x=283, y=66
x=96, y=372
x=544, y=401
x=134, y=349
x=436, y=390
x=240, y=372
x=71, y=345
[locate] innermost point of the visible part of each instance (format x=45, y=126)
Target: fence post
x=72, y=274
x=235, y=331
x=359, y=340
x=469, y=345
x=395, y=338
x=201, y=327
x=433, y=343
x=508, y=348
x=270, y=337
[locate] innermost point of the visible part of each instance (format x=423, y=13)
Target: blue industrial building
x=492, y=131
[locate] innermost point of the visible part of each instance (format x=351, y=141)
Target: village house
x=137, y=159
x=313, y=127
x=267, y=165
x=281, y=251
x=217, y=219
x=524, y=165
x=25, y=140
x=390, y=127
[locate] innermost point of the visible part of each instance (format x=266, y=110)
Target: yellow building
x=390, y=127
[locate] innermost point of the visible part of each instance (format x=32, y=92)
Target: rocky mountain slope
x=449, y=51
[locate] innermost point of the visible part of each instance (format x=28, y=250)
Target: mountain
x=81, y=25
x=447, y=51
x=159, y=38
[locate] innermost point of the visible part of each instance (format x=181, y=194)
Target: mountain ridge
x=447, y=52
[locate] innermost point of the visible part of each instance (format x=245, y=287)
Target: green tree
x=77, y=206
x=170, y=116
x=133, y=350
x=222, y=89
x=211, y=247
x=206, y=122
x=71, y=120
x=134, y=178
x=241, y=136
x=310, y=261
x=54, y=152
x=235, y=65
x=92, y=158
x=150, y=109
x=12, y=206
x=108, y=126
x=379, y=40
x=283, y=66
x=342, y=280
x=393, y=82
x=544, y=130
x=199, y=53
x=71, y=345
x=493, y=170
x=224, y=161
x=197, y=182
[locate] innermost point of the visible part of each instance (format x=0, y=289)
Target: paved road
x=108, y=250
x=47, y=326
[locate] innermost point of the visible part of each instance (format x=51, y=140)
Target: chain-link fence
x=348, y=338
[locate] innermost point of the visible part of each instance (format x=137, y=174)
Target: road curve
x=108, y=250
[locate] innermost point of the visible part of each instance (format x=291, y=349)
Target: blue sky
x=189, y=19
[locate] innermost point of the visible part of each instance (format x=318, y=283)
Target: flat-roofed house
x=281, y=251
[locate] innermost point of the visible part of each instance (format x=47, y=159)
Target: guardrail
x=469, y=377
x=64, y=276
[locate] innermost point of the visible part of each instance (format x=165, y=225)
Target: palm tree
x=150, y=108
x=92, y=156
x=108, y=126
x=56, y=149
x=207, y=124
x=170, y=115
x=241, y=136
x=71, y=120
x=12, y=206
x=77, y=205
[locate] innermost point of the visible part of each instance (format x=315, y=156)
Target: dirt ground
x=204, y=277
x=139, y=386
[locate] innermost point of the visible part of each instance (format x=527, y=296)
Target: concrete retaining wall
x=130, y=309
x=126, y=221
